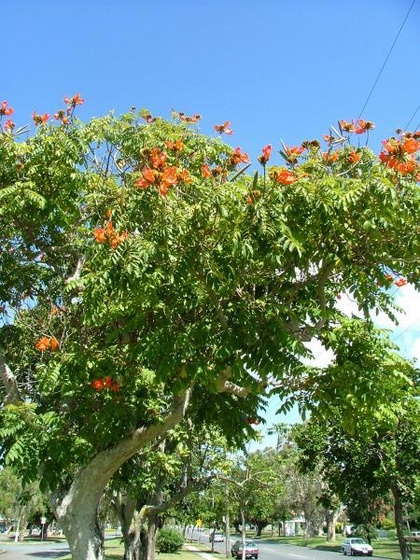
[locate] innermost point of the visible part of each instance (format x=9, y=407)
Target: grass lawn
x=114, y=550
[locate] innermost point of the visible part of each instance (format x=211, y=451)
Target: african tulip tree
x=150, y=277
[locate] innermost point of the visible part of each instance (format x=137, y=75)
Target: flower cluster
x=189, y=119
x=293, y=153
x=175, y=146
x=46, y=343
x=40, y=119
x=64, y=115
x=252, y=420
x=360, y=127
x=395, y=279
x=237, y=157
x=6, y=111
x=109, y=235
x=105, y=383
x=282, y=175
x=399, y=153
x=158, y=173
x=223, y=128
x=266, y=154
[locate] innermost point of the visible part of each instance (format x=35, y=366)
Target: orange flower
x=185, y=118
x=294, y=150
x=177, y=146
x=223, y=128
x=98, y=384
x=410, y=145
x=249, y=200
x=285, y=177
x=47, y=343
x=330, y=157
x=116, y=239
x=238, y=157
x=251, y=420
x=401, y=282
x=398, y=154
x=108, y=234
x=40, y=119
x=347, y=126
x=100, y=235
x=148, y=178
x=5, y=109
x=266, y=154
x=205, y=171
x=407, y=166
x=158, y=159
x=183, y=176
x=115, y=387
x=364, y=126
x=353, y=157
x=169, y=177
x=107, y=381
x=75, y=100
x=9, y=125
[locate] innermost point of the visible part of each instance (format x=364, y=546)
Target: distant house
x=294, y=527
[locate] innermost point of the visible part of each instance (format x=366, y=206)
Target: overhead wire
x=412, y=118
x=386, y=59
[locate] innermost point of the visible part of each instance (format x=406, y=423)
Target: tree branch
x=225, y=386
x=78, y=270
x=12, y=395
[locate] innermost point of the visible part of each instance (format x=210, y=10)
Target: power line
x=386, y=58
x=412, y=118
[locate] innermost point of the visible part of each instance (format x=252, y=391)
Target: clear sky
x=276, y=70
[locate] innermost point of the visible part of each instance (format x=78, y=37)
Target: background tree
x=20, y=503
x=379, y=457
x=148, y=275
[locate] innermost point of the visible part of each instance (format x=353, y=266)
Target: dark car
x=251, y=550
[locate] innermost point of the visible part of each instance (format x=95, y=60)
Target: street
x=269, y=549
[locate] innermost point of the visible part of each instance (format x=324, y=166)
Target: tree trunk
x=259, y=528
x=151, y=537
x=330, y=517
x=126, y=512
x=399, y=524
x=77, y=511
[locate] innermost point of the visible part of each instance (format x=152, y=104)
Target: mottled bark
x=77, y=510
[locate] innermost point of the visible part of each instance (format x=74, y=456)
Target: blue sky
x=276, y=70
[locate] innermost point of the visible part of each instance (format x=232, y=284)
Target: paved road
x=32, y=551
x=276, y=551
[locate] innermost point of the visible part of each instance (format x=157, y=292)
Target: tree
x=150, y=486
x=19, y=503
x=380, y=456
x=148, y=275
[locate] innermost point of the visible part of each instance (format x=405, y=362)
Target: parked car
x=413, y=536
x=356, y=547
x=216, y=537
x=251, y=550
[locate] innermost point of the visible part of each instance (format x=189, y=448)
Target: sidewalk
x=205, y=555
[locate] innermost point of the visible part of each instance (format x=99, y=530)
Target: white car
x=356, y=547
x=216, y=537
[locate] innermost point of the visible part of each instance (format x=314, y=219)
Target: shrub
x=169, y=540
